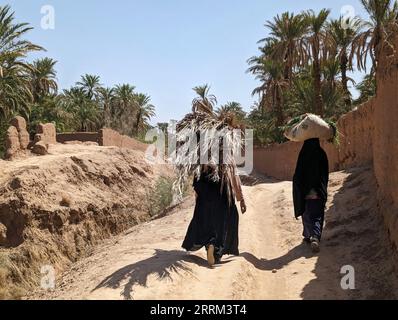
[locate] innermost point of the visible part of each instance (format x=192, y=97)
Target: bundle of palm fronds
x=203, y=139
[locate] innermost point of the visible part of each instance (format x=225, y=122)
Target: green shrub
x=161, y=197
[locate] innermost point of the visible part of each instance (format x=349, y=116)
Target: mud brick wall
x=78, y=136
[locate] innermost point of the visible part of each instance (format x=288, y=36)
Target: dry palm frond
x=202, y=138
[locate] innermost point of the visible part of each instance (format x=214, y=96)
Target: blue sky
x=163, y=47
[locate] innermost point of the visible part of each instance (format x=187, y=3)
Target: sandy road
x=146, y=262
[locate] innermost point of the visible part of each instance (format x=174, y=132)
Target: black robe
x=215, y=220
x=312, y=172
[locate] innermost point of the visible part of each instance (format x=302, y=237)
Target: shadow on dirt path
x=164, y=264
x=354, y=235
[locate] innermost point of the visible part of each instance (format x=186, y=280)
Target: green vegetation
x=30, y=89
x=303, y=67
x=304, y=61
x=161, y=197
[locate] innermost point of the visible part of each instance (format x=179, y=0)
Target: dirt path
x=147, y=263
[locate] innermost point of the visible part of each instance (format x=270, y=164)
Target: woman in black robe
x=310, y=184
x=215, y=221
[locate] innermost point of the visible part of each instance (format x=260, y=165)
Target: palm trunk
x=344, y=79
x=377, y=46
x=290, y=63
x=286, y=72
x=317, y=79
x=262, y=105
x=279, y=109
x=106, y=115
x=138, y=123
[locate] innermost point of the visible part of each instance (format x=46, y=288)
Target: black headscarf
x=312, y=172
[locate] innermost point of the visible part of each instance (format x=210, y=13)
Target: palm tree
x=52, y=110
x=15, y=93
x=331, y=73
x=43, y=78
x=125, y=108
x=11, y=45
x=333, y=98
x=315, y=42
x=106, y=98
x=145, y=111
x=205, y=101
x=286, y=41
x=258, y=69
x=265, y=129
x=283, y=52
x=366, y=88
x=90, y=85
x=85, y=111
x=231, y=107
x=342, y=43
x=273, y=84
x=375, y=41
x=301, y=97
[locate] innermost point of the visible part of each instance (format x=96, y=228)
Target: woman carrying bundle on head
x=311, y=177
x=310, y=190
x=215, y=222
x=216, y=183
